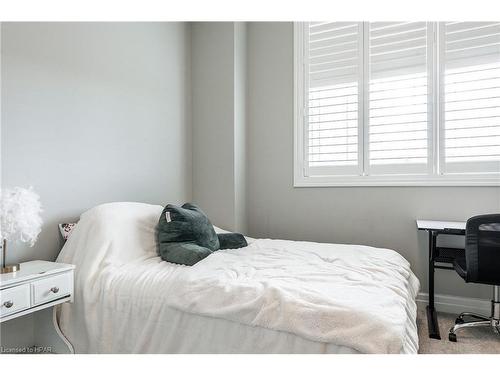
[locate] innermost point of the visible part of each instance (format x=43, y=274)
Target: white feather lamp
x=19, y=220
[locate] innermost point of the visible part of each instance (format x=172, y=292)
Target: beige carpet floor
x=480, y=340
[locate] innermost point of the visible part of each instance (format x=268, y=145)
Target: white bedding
x=271, y=297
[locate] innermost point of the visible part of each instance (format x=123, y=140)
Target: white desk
x=439, y=225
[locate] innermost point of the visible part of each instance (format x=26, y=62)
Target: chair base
x=478, y=320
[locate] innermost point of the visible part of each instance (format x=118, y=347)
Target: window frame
x=434, y=175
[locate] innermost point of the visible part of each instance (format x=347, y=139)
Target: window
x=398, y=97
x=397, y=103
x=334, y=54
x=471, y=96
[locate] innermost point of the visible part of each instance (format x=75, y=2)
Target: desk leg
x=432, y=321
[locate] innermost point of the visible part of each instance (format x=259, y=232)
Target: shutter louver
x=398, y=92
x=333, y=60
x=471, y=96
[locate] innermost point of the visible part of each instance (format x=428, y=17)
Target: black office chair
x=481, y=264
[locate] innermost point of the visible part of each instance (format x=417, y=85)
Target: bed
x=274, y=296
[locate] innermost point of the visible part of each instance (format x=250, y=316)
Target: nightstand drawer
x=52, y=288
x=14, y=299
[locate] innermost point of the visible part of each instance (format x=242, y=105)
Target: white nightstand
x=37, y=285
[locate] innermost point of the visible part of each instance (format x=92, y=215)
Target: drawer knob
x=8, y=304
x=54, y=289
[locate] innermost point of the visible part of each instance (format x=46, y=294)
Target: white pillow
x=114, y=234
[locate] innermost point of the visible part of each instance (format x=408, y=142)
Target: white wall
x=93, y=113
x=218, y=51
x=376, y=216
x=240, y=125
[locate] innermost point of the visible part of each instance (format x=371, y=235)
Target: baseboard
x=456, y=305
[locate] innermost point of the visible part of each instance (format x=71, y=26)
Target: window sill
x=347, y=181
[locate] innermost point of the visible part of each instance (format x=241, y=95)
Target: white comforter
x=354, y=296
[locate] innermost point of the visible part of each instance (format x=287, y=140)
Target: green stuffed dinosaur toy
x=186, y=235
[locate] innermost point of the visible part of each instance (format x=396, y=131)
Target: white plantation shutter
x=333, y=64
x=398, y=97
x=397, y=103
x=470, y=112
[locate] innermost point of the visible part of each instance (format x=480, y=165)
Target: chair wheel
x=459, y=321
x=452, y=337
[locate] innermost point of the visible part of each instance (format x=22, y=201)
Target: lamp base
x=10, y=268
